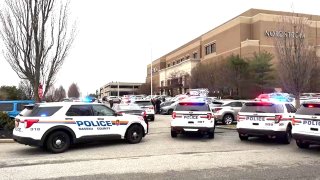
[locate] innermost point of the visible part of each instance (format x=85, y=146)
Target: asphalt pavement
x=159, y=156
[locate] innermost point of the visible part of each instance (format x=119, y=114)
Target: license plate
x=191, y=117
x=269, y=124
x=254, y=118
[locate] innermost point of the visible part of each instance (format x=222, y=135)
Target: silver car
x=228, y=112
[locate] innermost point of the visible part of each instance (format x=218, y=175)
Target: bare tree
x=296, y=56
x=37, y=39
x=50, y=94
x=26, y=88
x=73, y=91
x=59, y=94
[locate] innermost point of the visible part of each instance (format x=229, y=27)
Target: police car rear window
x=259, y=107
x=192, y=107
x=144, y=103
x=309, y=109
x=38, y=111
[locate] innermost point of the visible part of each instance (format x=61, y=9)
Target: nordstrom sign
x=282, y=34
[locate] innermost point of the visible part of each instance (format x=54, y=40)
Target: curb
x=6, y=141
x=229, y=128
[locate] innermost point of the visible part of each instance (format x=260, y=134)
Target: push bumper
x=27, y=141
x=307, y=138
x=260, y=132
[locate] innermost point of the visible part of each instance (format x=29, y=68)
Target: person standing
x=158, y=102
x=111, y=103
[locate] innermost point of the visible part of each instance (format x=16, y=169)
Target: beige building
x=250, y=32
x=119, y=89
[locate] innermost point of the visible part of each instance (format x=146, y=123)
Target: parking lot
x=159, y=156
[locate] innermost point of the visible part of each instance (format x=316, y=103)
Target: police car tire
x=302, y=145
x=211, y=135
x=152, y=118
x=243, y=137
x=286, y=139
x=174, y=134
x=53, y=138
x=134, y=134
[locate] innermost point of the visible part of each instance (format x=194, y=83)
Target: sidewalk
x=230, y=127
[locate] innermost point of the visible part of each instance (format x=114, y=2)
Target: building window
x=173, y=63
x=169, y=65
x=211, y=48
x=195, y=55
x=187, y=57
x=161, y=83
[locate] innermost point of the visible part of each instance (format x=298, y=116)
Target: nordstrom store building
x=250, y=32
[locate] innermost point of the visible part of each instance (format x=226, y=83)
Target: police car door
x=105, y=119
x=83, y=117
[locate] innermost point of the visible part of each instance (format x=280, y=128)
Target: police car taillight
x=174, y=115
x=278, y=118
x=239, y=118
x=29, y=122
x=144, y=114
x=209, y=116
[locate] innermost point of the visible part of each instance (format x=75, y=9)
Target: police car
x=192, y=116
x=261, y=118
x=306, y=124
x=57, y=125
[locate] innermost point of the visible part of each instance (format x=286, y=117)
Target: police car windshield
x=192, y=107
x=261, y=107
x=128, y=107
x=309, y=109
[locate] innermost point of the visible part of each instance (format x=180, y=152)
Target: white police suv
x=306, y=124
x=57, y=125
x=271, y=119
x=192, y=116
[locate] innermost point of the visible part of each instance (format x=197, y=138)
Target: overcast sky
x=115, y=38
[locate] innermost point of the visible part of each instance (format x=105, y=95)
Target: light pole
x=151, y=74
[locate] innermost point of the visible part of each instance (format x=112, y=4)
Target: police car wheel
x=286, y=139
x=152, y=118
x=243, y=137
x=227, y=119
x=302, y=145
x=134, y=134
x=58, y=142
x=174, y=134
x=211, y=135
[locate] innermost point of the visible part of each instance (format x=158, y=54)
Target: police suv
x=192, y=116
x=57, y=125
x=271, y=119
x=306, y=124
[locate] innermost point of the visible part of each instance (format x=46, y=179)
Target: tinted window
x=41, y=111
x=237, y=104
x=291, y=108
x=309, y=109
x=262, y=108
x=192, y=107
x=20, y=106
x=6, y=107
x=143, y=103
x=99, y=110
x=79, y=110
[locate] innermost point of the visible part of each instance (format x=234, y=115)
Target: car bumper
x=307, y=138
x=181, y=129
x=27, y=141
x=163, y=111
x=260, y=132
